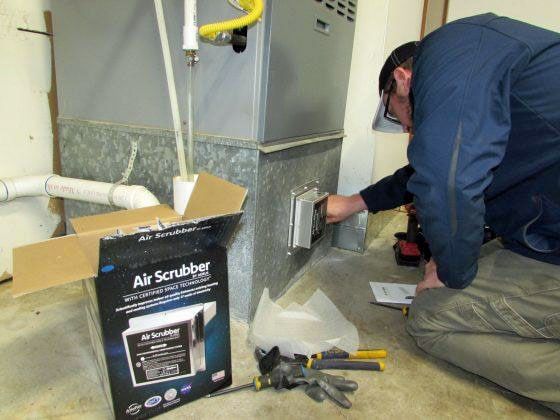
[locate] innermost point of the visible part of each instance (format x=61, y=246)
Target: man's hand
x=431, y=279
x=340, y=207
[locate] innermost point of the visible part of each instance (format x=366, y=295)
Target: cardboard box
x=156, y=292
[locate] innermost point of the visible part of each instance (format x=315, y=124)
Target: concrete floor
x=48, y=368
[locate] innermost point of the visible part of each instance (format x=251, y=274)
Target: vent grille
x=346, y=9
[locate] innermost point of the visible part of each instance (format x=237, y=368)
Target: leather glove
x=322, y=385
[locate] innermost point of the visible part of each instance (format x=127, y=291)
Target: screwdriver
x=344, y=364
x=274, y=379
x=258, y=383
x=360, y=354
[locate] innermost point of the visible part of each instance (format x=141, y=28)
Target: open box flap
x=49, y=263
x=76, y=257
x=123, y=218
x=90, y=229
x=179, y=239
x=213, y=196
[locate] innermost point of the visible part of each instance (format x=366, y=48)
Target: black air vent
x=346, y=9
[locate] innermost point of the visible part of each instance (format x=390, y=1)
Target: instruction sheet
x=396, y=293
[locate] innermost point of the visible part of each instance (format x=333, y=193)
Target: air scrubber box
x=156, y=291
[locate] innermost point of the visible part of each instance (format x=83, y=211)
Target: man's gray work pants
x=505, y=326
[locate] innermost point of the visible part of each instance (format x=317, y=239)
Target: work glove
x=322, y=385
x=286, y=375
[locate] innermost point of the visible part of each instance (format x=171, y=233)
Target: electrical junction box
x=311, y=218
x=308, y=216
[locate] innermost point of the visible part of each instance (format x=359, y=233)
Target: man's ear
x=403, y=78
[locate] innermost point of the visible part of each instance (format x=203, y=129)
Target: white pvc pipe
x=182, y=190
x=190, y=124
x=126, y=196
x=183, y=170
x=190, y=27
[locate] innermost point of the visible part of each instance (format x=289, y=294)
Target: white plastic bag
x=310, y=328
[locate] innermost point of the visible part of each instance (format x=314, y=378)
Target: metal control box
x=311, y=218
x=308, y=216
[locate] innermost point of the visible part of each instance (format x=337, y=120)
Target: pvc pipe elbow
x=139, y=197
x=7, y=190
x=25, y=186
x=144, y=198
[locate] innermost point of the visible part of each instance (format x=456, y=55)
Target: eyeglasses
x=383, y=120
x=387, y=114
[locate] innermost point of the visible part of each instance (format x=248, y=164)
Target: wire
x=33, y=31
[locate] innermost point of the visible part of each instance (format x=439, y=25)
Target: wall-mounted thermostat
x=308, y=216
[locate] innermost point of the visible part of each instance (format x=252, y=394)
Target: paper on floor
x=313, y=327
x=393, y=292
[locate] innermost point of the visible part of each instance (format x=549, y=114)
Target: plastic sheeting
x=313, y=327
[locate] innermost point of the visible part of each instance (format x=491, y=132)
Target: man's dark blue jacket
x=486, y=145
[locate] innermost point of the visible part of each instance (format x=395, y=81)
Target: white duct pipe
x=182, y=190
x=184, y=170
x=127, y=196
x=190, y=27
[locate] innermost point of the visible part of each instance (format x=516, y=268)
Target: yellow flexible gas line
x=255, y=9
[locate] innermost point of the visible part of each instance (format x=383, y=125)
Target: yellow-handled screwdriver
x=258, y=383
x=276, y=378
x=339, y=364
x=360, y=354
